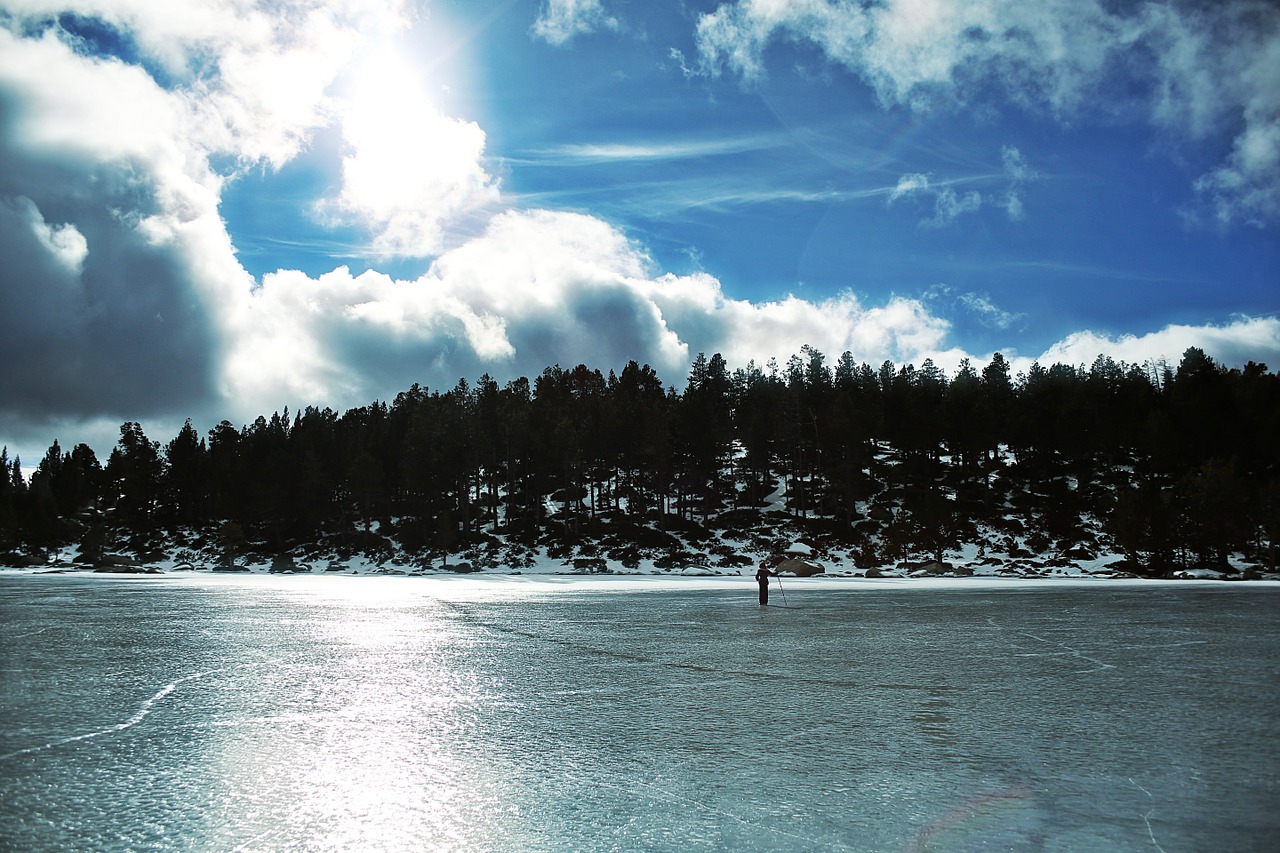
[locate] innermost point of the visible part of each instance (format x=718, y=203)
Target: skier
x=762, y=577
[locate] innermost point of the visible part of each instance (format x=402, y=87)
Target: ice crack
x=1146, y=818
x=1099, y=665
x=138, y=717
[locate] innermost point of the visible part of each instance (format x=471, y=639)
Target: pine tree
x=134, y=471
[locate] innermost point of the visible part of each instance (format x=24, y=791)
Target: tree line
x=888, y=460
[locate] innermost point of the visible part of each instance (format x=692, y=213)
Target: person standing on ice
x=762, y=578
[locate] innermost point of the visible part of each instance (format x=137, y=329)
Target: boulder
x=799, y=568
x=128, y=570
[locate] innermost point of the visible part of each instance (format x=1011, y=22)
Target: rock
x=282, y=567
x=799, y=568
x=931, y=567
x=590, y=565
x=128, y=570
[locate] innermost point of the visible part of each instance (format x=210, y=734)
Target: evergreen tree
x=12, y=490
x=1183, y=463
x=187, y=484
x=133, y=472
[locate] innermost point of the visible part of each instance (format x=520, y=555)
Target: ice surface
x=571, y=713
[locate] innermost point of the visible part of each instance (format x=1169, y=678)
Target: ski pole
x=783, y=591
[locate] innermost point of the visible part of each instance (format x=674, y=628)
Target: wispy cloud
x=1019, y=173
x=1083, y=270
x=980, y=306
x=949, y=203
x=696, y=193
x=909, y=185
x=988, y=313
x=681, y=149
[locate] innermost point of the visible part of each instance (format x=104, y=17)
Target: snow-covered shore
x=552, y=573
x=1012, y=545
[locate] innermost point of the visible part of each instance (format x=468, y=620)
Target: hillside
x=1110, y=469
x=1009, y=522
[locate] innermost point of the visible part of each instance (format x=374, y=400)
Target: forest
x=1172, y=467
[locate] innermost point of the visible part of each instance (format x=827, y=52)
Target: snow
x=485, y=584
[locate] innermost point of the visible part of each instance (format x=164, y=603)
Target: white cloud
x=949, y=205
x=99, y=110
x=921, y=52
x=1018, y=173
x=64, y=243
x=1200, y=68
x=909, y=185
x=987, y=312
x=125, y=297
x=1233, y=343
x=977, y=305
x=255, y=74
x=590, y=154
x=1247, y=185
x=562, y=20
x=537, y=288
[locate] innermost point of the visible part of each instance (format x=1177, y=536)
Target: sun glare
x=407, y=166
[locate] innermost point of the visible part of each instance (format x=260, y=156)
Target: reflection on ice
x=402, y=714
x=1008, y=819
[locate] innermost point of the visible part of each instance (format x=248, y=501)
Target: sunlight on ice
x=375, y=749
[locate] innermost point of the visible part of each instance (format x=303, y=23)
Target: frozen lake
x=321, y=713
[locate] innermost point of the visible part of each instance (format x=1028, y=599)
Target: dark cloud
x=118, y=333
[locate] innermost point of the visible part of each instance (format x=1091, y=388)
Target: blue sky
x=215, y=209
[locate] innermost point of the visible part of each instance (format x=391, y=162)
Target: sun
x=408, y=168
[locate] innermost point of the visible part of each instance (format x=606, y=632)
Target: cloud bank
x=544, y=287
x=537, y=288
